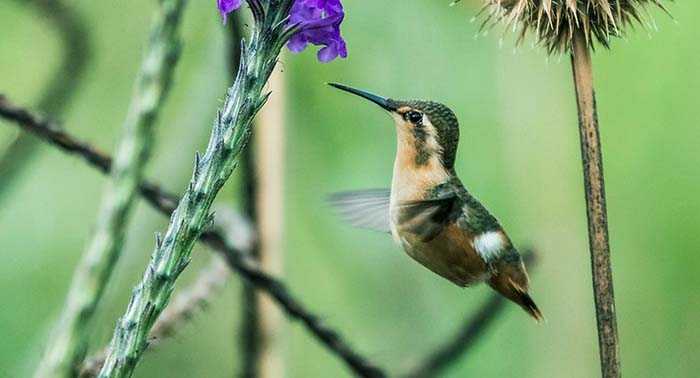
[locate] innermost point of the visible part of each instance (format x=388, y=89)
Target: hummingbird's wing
x=428, y=218
x=367, y=209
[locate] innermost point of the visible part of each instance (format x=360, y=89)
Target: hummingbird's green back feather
x=475, y=217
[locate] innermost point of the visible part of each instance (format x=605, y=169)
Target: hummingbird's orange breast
x=450, y=254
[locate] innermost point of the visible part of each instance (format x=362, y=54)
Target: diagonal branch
x=52, y=133
x=464, y=339
x=165, y=203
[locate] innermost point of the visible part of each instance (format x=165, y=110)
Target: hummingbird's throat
x=417, y=145
x=417, y=167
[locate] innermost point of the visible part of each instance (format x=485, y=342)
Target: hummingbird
x=429, y=212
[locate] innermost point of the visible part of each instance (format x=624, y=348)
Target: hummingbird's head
x=429, y=128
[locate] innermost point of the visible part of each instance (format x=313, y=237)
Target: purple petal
x=342, y=49
x=297, y=43
x=319, y=22
x=227, y=6
x=330, y=21
x=327, y=54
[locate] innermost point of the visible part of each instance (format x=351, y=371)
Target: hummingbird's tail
x=525, y=301
x=516, y=293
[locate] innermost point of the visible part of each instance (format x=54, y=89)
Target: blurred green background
x=519, y=154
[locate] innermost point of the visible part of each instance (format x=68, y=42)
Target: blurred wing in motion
x=427, y=219
x=368, y=209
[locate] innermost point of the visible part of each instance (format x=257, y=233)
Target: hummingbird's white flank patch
x=489, y=245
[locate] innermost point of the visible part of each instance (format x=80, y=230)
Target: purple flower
x=227, y=6
x=319, y=22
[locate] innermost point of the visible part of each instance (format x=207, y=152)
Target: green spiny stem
x=68, y=342
x=196, y=297
x=249, y=340
x=172, y=253
x=192, y=300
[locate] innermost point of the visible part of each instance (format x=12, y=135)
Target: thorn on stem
x=197, y=161
x=159, y=240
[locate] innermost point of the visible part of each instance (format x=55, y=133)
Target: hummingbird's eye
x=414, y=117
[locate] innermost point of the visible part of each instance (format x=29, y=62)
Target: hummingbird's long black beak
x=385, y=103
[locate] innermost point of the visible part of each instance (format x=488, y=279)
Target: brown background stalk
x=249, y=339
x=248, y=334
x=591, y=154
x=269, y=168
x=262, y=184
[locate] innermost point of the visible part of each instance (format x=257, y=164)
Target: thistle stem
x=232, y=250
x=594, y=185
x=69, y=340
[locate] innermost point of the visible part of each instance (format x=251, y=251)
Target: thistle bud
x=555, y=21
